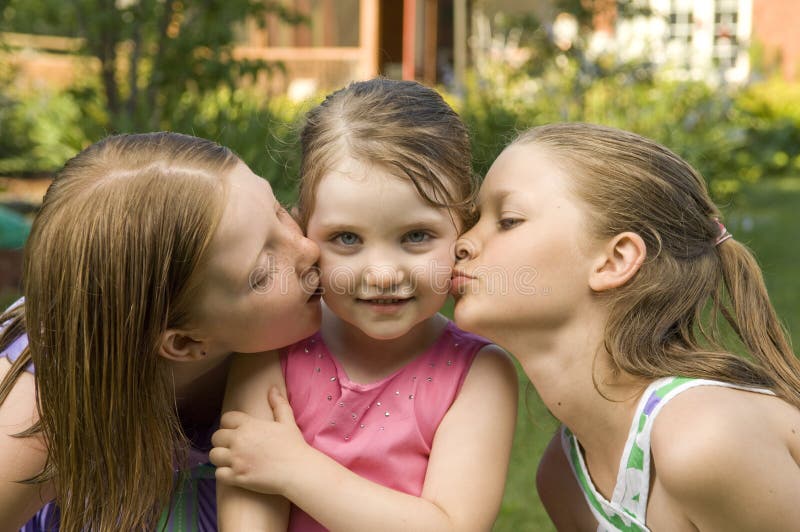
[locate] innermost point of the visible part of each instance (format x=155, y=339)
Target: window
x=726, y=42
x=679, y=36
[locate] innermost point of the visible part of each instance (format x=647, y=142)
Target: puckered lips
x=311, y=284
x=459, y=282
x=316, y=294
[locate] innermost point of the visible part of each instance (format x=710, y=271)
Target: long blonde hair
x=401, y=125
x=657, y=326
x=109, y=265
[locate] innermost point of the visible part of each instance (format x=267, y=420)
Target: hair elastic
x=724, y=234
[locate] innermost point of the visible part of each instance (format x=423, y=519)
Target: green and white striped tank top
x=626, y=511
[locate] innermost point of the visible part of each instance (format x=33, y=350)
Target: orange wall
x=775, y=27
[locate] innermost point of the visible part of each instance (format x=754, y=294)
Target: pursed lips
x=458, y=281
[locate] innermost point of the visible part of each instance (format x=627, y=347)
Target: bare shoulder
x=559, y=491
x=250, y=378
x=709, y=423
x=493, y=370
x=495, y=360
x=715, y=448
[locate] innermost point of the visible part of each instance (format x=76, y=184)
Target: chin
x=384, y=335
x=467, y=317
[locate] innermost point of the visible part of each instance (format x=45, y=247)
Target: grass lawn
x=766, y=218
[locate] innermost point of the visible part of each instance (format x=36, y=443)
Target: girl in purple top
x=152, y=259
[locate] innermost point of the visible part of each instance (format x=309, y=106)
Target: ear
x=179, y=346
x=621, y=258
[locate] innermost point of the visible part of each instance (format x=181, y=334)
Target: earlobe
x=622, y=257
x=179, y=346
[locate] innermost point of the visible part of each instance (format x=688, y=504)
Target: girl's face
x=526, y=263
x=386, y=256
x=258, y=283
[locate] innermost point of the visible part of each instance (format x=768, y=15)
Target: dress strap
x=610, y=515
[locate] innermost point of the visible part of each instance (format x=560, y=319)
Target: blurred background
x=718, y=81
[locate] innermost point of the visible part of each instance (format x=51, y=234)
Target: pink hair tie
x=724, y=234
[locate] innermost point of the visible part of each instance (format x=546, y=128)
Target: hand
x=256, y=454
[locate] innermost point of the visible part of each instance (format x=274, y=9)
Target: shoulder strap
x=610, y=516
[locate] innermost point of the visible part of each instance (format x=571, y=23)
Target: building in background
x=431, y=40
x=357, y=39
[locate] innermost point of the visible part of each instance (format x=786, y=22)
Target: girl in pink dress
x=391, y=418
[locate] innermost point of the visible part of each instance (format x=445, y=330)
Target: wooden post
x=302, y=33
x=369, y=37
x=409, y=38
x=430, y=42
x=459, y=44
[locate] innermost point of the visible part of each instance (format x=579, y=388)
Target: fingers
x=232, y=419
x=220, y=457
x=222, y=438
x=225, y=474
x=280, y=406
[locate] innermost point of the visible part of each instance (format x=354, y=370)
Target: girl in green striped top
x=601, y=263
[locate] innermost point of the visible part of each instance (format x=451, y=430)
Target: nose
x=384, y=277
x=307, y=250
x=465, y=248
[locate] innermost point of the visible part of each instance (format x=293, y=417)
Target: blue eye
x=417, y=237
x=347, y=239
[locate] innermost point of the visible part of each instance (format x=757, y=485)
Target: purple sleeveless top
x=194, y=503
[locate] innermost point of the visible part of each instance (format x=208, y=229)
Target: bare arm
x=20, y=458
x=559, y=491
x=251, y=376
x=466, y=472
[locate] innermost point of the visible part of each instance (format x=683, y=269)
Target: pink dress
x=382, y=431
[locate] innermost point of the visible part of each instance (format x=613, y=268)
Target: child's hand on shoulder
x=259, y=455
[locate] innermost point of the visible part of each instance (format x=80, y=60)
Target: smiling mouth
x=386, y=301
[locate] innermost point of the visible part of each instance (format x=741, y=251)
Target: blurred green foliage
x=733, y=136
x=151, y=53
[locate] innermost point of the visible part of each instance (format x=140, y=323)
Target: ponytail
x=754, y=320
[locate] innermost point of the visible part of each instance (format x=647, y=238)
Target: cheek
x=433, y=272
x=339, y=280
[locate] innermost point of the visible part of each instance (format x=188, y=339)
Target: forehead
x=246, y=195
x=370, y=194
x=245, y=224
x=525, y=170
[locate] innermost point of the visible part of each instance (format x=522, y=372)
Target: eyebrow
x=495, y=197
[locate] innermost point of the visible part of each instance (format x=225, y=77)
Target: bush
x=40, y=131
x=265, y=134
x=731, y=135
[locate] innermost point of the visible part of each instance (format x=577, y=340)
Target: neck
x=200, y=387
x=366, y=359
x=572, y=373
